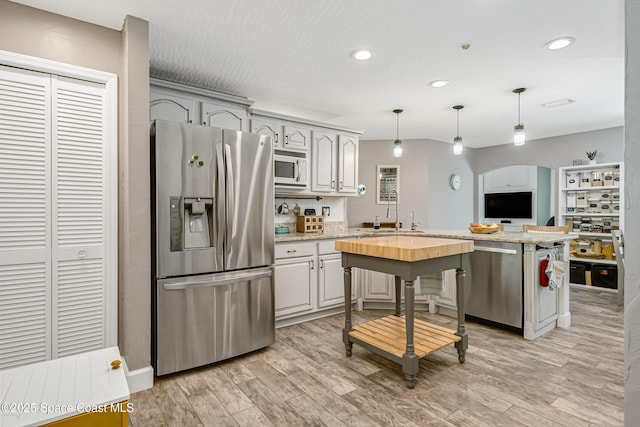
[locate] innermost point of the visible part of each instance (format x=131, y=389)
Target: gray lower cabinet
x=308, y=281
x=380, y=288
x=295, y=278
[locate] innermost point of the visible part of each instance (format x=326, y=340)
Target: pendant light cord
x=397, y=126
x=458, y=123
x=519, y=93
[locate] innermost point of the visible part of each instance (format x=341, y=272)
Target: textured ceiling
x=293, y=57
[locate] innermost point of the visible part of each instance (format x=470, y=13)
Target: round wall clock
x=455, y=181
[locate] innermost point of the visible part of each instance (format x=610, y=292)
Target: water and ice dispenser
x=191, y=223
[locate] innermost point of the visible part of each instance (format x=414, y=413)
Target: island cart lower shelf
x=389, y=335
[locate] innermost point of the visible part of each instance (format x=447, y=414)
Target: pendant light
x=397, y=144
x=457, y=141
x=519, y=137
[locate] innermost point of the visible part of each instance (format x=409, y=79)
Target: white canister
x=608, y=178
x=593, y=206
x=573, y=179
x=581, y=199
x=585, y=179
x=596, y=179
x=571, y=199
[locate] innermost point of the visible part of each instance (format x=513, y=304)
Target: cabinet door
x=224, y=116
x=331, y=281
x=171, y=107
x=522, y=177
x=323, y=156
x=296, y=138
x=268, y=128
x=294, y=281
x=378, y=286
x=510, y=178
x=348, y=164
x=448, y=298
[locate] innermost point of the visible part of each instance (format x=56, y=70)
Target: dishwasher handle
x=477, y=248
x=225, y=279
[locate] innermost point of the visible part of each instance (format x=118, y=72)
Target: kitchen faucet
x=388, y=211
x=414, y=223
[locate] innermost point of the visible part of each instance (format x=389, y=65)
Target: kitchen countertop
x=500, y=236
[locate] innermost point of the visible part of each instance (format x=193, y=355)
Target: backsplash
x=336, y=205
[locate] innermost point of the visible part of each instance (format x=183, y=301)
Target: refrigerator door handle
x=221, y=280
x=220, y=197
x=229, y=193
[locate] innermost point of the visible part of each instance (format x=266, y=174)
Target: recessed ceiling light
x=559, y=43
x=361, y=55
x=558, y=103
x=439, y=83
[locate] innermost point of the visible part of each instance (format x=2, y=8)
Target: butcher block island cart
x=405, y=340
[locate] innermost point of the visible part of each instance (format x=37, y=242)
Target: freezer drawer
x=208, y=318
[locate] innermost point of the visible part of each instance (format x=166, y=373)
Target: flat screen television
x=508, y=205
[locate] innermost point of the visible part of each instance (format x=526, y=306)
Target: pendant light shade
x=519, y=137
x=457, y=141
x=397, y=144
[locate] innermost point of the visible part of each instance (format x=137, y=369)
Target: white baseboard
x=140, y=379
x=564, y=320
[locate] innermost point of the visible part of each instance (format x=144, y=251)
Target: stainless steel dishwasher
x=494, y=290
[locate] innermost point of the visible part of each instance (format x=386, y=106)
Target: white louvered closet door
x=25, y=217
x=78, y=203
x=54, y=298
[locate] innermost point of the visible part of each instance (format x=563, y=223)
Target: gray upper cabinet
x=224, y=116
x=334, y=160
x=268, y=128
x=169, y=106
x=348, y=164
x=296, y=138
x=180, y=103
x=285, y=136
x=324, y=156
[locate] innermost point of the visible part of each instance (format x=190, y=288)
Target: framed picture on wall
x=388, y=188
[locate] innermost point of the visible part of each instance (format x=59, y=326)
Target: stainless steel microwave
x=291, y=170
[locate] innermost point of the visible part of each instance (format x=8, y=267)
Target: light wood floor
x=571, y=377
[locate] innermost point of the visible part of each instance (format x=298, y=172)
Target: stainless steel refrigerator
x=213, y=244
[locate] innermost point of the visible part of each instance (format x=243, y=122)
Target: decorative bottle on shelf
x=376, y=224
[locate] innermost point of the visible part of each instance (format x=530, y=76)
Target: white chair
x=618, y=249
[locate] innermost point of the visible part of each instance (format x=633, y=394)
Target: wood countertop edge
x=405, y=248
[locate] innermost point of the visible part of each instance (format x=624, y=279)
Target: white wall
x=425, y=168
x=632, y=230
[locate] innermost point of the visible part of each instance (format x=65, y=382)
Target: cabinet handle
x=311, y=262
x=321, y=264
x=286, y=140
x=290, y=251
x=341, y=185
x=276, y=138
x=333, y=184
